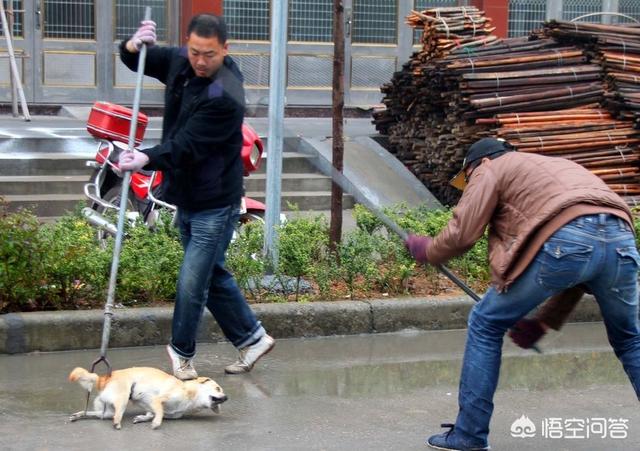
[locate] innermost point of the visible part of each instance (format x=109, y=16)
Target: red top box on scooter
x=112, y=122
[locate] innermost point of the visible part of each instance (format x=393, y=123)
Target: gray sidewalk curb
x=68, y=330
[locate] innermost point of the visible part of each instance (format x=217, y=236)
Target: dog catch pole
x=124, y=194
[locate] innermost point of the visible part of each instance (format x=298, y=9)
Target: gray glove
x=146, y=34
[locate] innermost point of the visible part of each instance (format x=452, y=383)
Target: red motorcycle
x=110, y=124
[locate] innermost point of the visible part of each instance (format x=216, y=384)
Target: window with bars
x=311, y=20
x=375, y=22
x=247, y=20
x=525, y=15
x=18, y=17
x=421, y=5
x=65, y=19
x=576, y=8
x=129, y=13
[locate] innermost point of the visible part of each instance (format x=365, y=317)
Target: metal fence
x=18, y=17
x=629, y=8
x=128, y=14
x=571, y=9
x=525, y=15
x=247, y=20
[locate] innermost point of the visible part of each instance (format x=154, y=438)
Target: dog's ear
x=203, y=380
x=76, y=374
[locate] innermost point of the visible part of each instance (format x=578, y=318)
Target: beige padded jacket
x=515, y=195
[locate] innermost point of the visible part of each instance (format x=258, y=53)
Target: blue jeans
x=204, y=281
x=598, y=251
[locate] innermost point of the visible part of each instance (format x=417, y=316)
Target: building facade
x=67, y=49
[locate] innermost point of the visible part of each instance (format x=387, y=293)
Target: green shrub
x=302, y=242
x=324, y=272
x=365, y=220
x=76, y=268
x=356, y=254
x=473, y=266
x=21, y=255
x=245, y=258
x=149, y=265
x=395, y=266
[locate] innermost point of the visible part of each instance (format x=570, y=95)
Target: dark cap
x=480, y=149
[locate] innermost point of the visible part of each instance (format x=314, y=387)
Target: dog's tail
x=86, y=379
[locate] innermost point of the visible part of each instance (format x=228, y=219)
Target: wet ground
x=373, y=392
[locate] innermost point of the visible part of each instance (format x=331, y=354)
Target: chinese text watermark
x=571, y=428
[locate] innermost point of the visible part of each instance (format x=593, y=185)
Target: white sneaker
x=249, y=355
x=182, y=368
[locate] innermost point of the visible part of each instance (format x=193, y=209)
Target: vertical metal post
x=405, y=33
x=610, y=6
x=275, y=137
x=12, y=59
x=14, y=88
x=554, y=9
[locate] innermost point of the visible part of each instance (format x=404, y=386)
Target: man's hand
x=133, y=161
x=417, y=246
x=526, y=332
x=146, y=34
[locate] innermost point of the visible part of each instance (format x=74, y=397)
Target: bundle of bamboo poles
x=446, y=28
x=617, y=50
x=431, y=103
x=592, y=137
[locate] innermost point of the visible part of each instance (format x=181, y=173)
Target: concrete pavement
x=375, y=392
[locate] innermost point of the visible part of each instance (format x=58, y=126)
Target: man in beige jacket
x=552, y=226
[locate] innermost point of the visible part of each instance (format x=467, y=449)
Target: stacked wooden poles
x=591, y=137
x=431, y=104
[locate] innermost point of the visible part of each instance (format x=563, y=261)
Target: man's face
x=206, y=55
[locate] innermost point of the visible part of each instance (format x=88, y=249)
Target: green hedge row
x=62, y=265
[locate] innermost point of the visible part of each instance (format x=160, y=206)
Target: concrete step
x=42, y=184
x=292, y=162
x=45, y=205
x=51, y=206
x=305, y=200
x=290, y=182
x=44, y=164
x=47, y=177
x=56, y=163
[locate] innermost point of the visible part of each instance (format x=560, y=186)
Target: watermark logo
x=572, y=428
x=523, y=427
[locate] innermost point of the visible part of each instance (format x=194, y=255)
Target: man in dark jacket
x=552, y=226
x=200, y=159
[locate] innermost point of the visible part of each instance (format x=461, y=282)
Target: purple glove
x=417, y=246
x=133, y=161
x=526, y=333
x=146, y=34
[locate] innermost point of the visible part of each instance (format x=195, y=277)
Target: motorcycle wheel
x=248, y=217
x=112, y=196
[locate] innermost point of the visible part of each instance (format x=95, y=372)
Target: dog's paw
x=76, y=416
x=155, y=425
x=140, y=419
x=117, y=426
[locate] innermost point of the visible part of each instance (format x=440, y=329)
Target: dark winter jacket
x=201, y=130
